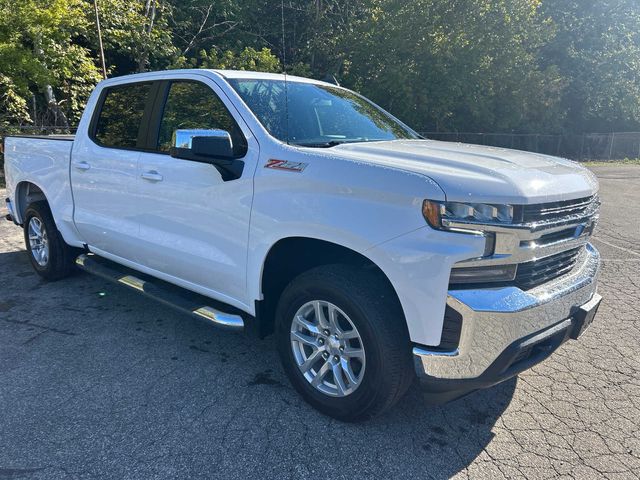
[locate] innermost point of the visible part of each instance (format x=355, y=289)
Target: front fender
x=418, y=265
x=348, y=203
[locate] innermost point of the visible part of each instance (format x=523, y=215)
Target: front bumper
x=507, y=330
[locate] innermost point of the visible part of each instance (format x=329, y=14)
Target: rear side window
x=193, y=105
x=121, y=115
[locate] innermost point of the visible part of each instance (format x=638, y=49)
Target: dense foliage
x=445, y=65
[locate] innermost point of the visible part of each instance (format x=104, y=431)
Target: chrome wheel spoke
x=305, y=339
x=333, y=319
x=320, y=318
x=310, y=361
x=36, y=227
x=346, y=368
x=307, y=324
x=351, y=352
x=321, y=374
x=337, y=377
x=351, y=334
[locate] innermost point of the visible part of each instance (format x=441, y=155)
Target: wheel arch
x=26, y=193
x=289, y=257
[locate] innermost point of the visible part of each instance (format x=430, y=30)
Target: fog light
x=488, y=274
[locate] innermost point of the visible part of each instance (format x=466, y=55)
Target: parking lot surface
x=98, y=382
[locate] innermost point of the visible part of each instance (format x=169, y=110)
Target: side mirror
x=202, y=143
x=208, y=146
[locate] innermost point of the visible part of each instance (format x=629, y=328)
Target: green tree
x=484, y=65
x=14, y=110
x=248, y=59
x=202, y=24
x=455, y=65
x=312, y=31
x=136, y=35
x=43, y=60
x=597, y=51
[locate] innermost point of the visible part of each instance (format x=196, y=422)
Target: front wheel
x=343, y=341
x=50, y=256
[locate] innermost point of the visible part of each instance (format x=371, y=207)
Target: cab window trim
x=143, y=128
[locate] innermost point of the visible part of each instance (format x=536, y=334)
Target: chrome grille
x=538, y=272
x=545, y=242
x=546, y=212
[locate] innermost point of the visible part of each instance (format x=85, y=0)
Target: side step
x=173, y=296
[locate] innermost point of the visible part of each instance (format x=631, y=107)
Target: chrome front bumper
x=496, y=318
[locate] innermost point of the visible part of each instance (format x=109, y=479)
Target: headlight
x=441, y=214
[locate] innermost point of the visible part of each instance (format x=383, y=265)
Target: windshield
x=319, y=115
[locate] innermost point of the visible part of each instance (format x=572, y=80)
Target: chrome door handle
x=81, y=165
x=152, y=176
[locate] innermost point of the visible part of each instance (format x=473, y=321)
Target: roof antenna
x=284, y=67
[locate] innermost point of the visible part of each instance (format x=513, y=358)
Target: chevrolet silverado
x=277, y=204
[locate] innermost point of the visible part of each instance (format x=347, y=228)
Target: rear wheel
x=343, y=341
x=50, y=256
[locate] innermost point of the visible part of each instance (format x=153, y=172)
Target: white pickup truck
x=287, y=205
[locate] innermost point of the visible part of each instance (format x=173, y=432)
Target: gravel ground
x=97, y=382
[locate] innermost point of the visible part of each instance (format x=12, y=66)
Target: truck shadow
x=99, y=364
x=446, y=438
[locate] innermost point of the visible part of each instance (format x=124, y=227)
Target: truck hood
x=478, y=173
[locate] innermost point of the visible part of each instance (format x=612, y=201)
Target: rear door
x=104, y=169
x=194, y=225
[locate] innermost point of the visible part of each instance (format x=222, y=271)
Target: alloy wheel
x=327, y=348
x=38, y=241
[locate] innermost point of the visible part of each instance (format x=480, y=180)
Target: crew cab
x=277, y=204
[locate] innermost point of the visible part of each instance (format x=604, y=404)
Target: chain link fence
x=581, y=147
x=35, y=130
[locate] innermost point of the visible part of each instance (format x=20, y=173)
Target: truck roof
x=248, y=74
x=226, y=74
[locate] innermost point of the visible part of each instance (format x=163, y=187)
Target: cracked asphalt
x=98, y=382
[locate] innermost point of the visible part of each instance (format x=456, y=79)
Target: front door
x=194, y=225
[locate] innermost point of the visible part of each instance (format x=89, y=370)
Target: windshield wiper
x=333, y=143
x=330, y=144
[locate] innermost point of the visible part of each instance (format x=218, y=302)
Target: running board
x=173, y=296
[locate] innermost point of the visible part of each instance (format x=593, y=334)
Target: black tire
x=60, y=261
x=373, y=308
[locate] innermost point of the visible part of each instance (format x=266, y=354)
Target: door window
x=120, y=117
x=193, y=105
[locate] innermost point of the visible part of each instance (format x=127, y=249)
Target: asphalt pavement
x=99, y=382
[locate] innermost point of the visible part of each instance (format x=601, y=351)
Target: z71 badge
x=285, y=165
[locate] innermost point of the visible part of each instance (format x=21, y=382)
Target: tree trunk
x=150, y=14
x=59, y=118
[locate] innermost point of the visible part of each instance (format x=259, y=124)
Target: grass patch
x=612, y=163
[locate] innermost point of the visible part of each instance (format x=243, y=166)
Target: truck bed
x=43, y=161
